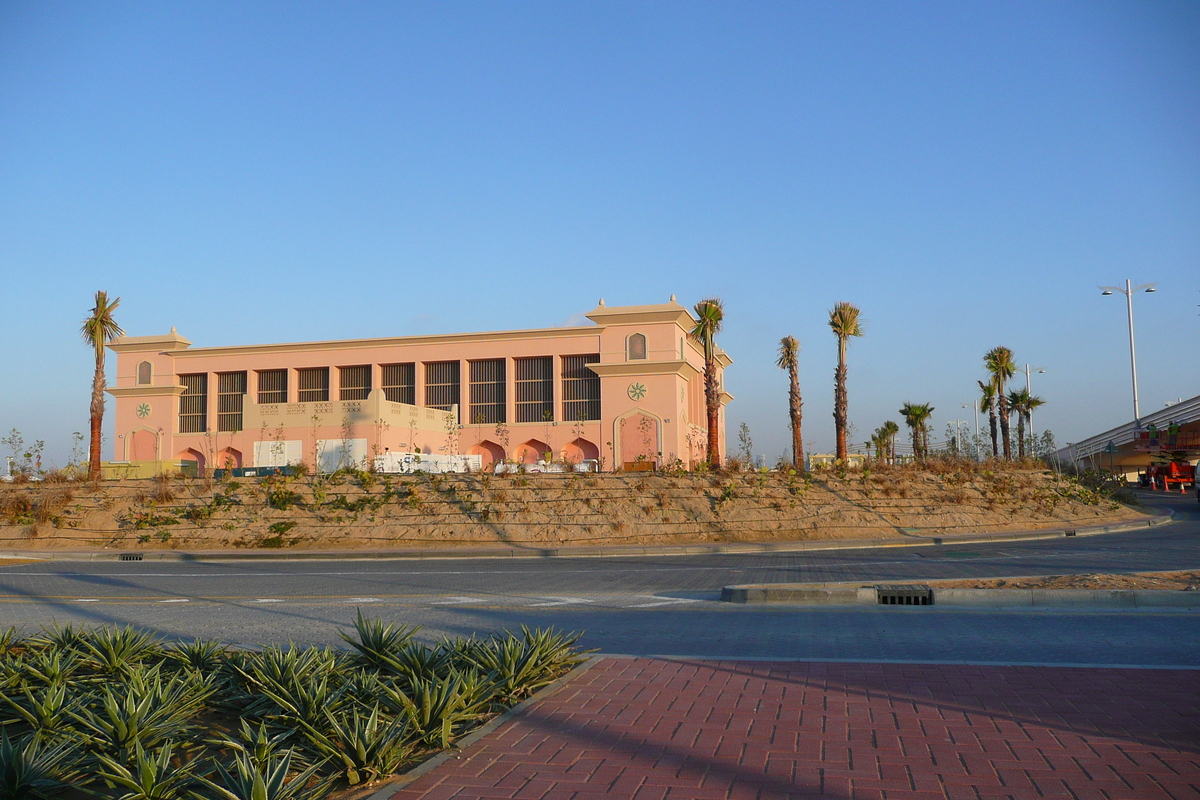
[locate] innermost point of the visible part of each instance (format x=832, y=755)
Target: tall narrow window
x=272, y=386
x=400, y=383
x=314, y=384
x=535, y=389
x=231, y=393
x=441, y=384
x=580, y=388
x=636, y=347
x=193, y=403
x=487, y=391
x=144, y=374
x=354, y=383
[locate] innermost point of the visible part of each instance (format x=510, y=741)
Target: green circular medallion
x=143, y=410
x=636, y=391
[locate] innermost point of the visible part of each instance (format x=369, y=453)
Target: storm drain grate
x=131, y=557
x=904, y=594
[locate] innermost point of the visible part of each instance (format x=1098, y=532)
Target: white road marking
x=663, y=601
x=561, y=601
x=456, y=601
x=86, y=600
x=174, y=600
x=266, y=600
x=362, y=600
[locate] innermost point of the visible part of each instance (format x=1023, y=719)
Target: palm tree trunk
x=995, y=441
x=796, y=409
x=1006, y=436
x=1020, y=435
x=916, y=440
x=712, y=406
x=97, y=417
x=839, y=400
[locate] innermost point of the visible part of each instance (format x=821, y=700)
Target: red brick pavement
x=649, y=729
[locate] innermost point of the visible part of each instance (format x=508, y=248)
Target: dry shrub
x=15, y=506
x=163, y=491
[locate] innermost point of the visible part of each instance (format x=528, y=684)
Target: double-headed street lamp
x=1128, y=292
x=1040, y=371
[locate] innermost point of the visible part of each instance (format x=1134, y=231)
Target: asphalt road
x=642, y=605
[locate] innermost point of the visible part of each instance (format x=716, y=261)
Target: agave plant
x=378, y=642
x=115, y=651
x=416, y=661
x=10, y=642
x=46, y=711
x=58, y=637
x=202, y=655
x=441, y=707
x=50, y=667
x=29, y=769
x=149, y=776
x=143, y=713
x=518, y=667
x=251, y=778
x=363, y=748
x=258, y=743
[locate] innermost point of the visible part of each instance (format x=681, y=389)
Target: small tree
x=745, y=444
x=98, y=330
x=710, y=314
x=789, y=350
x=844, y=322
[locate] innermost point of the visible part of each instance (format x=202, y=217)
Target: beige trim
x=722, y=358
x=145, y=391
x=624, y=368
x=634, y=315
x=724, y=397
x=393, y=341
x=137, y=344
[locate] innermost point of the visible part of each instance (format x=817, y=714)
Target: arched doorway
x=143, y=445
x=229, y=458
x=639, y=437
x=531, y=451
x=489, y=451
x=580, y=450
x=193, y=455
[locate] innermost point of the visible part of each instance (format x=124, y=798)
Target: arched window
x=635, y=347
x=144, y=373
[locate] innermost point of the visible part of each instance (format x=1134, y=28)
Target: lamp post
x=975, y=443
x=1040, y=371
x=1128, y=292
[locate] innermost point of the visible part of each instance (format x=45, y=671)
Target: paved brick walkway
x=653, y=728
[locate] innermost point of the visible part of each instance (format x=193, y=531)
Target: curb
x=432, y=763
x=908, y=540
x=857, y=595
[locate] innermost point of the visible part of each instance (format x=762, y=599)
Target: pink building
x=626, y=390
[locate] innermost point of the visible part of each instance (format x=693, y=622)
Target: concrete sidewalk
x=651, y=728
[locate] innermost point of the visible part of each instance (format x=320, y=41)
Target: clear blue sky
x=965, y=172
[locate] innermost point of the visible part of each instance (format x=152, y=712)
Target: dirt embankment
x=386, y=511
x=1187, y=581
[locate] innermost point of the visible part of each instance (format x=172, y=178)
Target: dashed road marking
x=457, y=601
x=175, y=600
x=561, y=601
x=266, y=600
x=663, y=601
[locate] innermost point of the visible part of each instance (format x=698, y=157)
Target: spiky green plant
x=10, y=641
x=266, y=778
x=376, y=641
x=31, y=770
x=146, y=711
x=202, y=655
x=113, y=651
x=257, y=742
x=442, y=707
x=518, y=667
x=46, y=711
x=58, y=636
x=364, y=748
x=50, y=667
x=149, y=776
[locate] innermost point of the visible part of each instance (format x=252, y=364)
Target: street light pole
x=1128, y=292
x=975, y=444
x=1040, y=371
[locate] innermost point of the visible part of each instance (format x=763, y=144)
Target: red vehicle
x=1173, y=473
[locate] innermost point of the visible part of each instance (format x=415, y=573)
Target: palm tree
x=789, y=350
x=999, y=362
x=710, y=313
x=844, y=322
x=915, y=416
x=988, y=403
x=98, y=330
x=879, y=442
x=891, y=429
x=1023, y=403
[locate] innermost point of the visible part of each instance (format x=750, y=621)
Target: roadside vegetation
x=117, y=713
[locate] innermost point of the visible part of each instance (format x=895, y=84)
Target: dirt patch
x=1188, y=581
x=364, y=510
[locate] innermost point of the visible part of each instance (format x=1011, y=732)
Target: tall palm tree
x=891, y=429
x=710, y=313
x=1023, y=403
x=844, y=322
x=789, y=350
x=916, y=415
x=1000, y=364
x=988, y=403
x=98, y=330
